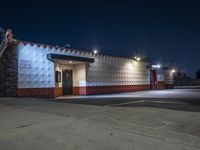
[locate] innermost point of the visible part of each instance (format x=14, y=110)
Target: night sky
x=166, y=30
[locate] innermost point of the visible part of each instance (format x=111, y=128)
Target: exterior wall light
x=156, y=66
x=95, y=51
x=173, y=71
x=137, y=58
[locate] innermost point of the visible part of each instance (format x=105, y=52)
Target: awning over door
x=52, y=56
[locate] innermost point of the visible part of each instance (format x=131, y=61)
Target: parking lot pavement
x=168, y=93
x=176, y=99
x=29, y=123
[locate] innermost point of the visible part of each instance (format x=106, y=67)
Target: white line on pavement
x=142, y=101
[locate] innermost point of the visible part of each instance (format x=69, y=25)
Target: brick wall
x=9, y=71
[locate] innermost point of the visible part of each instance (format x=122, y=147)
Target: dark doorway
x=67, y=81
x=153, y=79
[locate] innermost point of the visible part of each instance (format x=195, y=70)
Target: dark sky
x=166, y=30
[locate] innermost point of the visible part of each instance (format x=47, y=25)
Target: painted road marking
x=143, y=101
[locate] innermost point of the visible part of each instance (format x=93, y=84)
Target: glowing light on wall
x=137, y=58
x=173, y=71
x=156, y=66
x=95, y=51
x=136, y=63
x=130, y=66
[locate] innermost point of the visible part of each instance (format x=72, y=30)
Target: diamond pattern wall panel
x=35, y=71
x=117, y=71
x=168, y=76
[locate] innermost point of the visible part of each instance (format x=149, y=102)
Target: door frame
x=71, y=81
x=154, y=85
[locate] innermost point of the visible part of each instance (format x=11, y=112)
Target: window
x=58, y=76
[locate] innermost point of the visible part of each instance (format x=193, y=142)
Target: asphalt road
x=177, y=99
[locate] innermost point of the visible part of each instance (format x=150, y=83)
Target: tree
x=198, y=74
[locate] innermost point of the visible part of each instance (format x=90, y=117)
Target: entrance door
x=67, y=81
x=153, y=79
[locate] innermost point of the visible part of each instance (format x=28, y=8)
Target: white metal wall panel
x=38, y=72
x=168, y=75
x=117, y=71
x=106, y=70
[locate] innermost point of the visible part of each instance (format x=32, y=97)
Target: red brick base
x=169, y=86
x=161, y=85
x=40, y=92
x=116, y=89
x=79, y=90
x=58, y=91
x=36, y=92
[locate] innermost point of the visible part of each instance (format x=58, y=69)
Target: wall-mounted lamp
x=95, y=51
x=137, y=58
x=173, y=71
x=156, y=66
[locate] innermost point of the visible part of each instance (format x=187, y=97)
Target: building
x=38, y=70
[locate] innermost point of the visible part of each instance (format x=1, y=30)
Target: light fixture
x=173, y=71
x=156, y=66
x=137, y=58
x=95, y=51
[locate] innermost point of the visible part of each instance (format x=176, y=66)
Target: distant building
x=37, y=70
